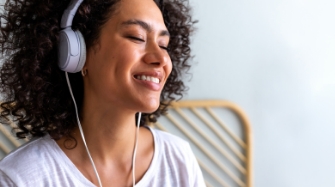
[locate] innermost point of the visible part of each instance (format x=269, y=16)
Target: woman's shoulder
x=25, y=152
x=39, y=162
x=174, y=162
x=171, y=145
x=28, y=158
x=168, y=139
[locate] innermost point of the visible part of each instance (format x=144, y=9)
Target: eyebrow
x=145, y=26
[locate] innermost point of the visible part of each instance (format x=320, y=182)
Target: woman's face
x=129, y=65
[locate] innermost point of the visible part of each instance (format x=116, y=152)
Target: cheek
x=169, y=67
x=126, y=54
x=119, y=59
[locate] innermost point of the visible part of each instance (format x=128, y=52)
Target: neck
x=109, y=134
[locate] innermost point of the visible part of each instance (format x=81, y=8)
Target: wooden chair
x=224, y=157
x=8, y=141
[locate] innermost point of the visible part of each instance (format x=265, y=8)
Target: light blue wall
x=276, y=59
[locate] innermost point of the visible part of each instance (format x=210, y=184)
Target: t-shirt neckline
x=145, y=179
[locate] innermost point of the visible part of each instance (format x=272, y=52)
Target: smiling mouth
x=147, y=78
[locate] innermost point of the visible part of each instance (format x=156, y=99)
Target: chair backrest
x=8, y=141
x=223, y=150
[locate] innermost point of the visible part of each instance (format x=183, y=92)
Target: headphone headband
x=69, y=13
x=71, y=48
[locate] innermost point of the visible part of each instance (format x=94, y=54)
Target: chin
x=150, y=106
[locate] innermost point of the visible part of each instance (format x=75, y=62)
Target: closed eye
x=163, y=47
x=141, y=40
x=136, y=38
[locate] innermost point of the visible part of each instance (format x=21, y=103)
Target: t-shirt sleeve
x=198, y=179
x=5, y=180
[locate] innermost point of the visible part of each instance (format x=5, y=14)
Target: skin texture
x=112, y=94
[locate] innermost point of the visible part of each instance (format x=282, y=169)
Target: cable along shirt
x=41, y=163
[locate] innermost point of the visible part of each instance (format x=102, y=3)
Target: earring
x=84, y=72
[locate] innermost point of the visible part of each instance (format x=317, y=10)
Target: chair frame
x=246, y=126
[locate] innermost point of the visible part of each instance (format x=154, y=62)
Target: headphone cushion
x=71, y=51
x=82, y=51
x=63, y=50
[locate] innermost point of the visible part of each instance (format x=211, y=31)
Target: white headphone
x=71, y=48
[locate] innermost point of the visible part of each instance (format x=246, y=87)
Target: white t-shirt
x=41, y=163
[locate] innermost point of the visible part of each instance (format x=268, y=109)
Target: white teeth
x=155, y=80
x=147, y=78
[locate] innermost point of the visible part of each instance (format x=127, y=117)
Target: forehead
x=144, y=10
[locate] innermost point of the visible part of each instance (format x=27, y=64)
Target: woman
x=136, y=53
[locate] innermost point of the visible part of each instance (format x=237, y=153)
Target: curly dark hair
x=34, y=89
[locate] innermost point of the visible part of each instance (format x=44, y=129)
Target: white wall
x=276, y=59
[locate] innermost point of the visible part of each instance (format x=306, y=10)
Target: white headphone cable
x=83, y=137
x=136, y=144
x=81, y=130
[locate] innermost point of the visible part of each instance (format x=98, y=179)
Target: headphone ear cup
x=71, y=51
x=82, y=51
x=63, y=50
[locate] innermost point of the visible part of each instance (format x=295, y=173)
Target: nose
x=155, y=55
